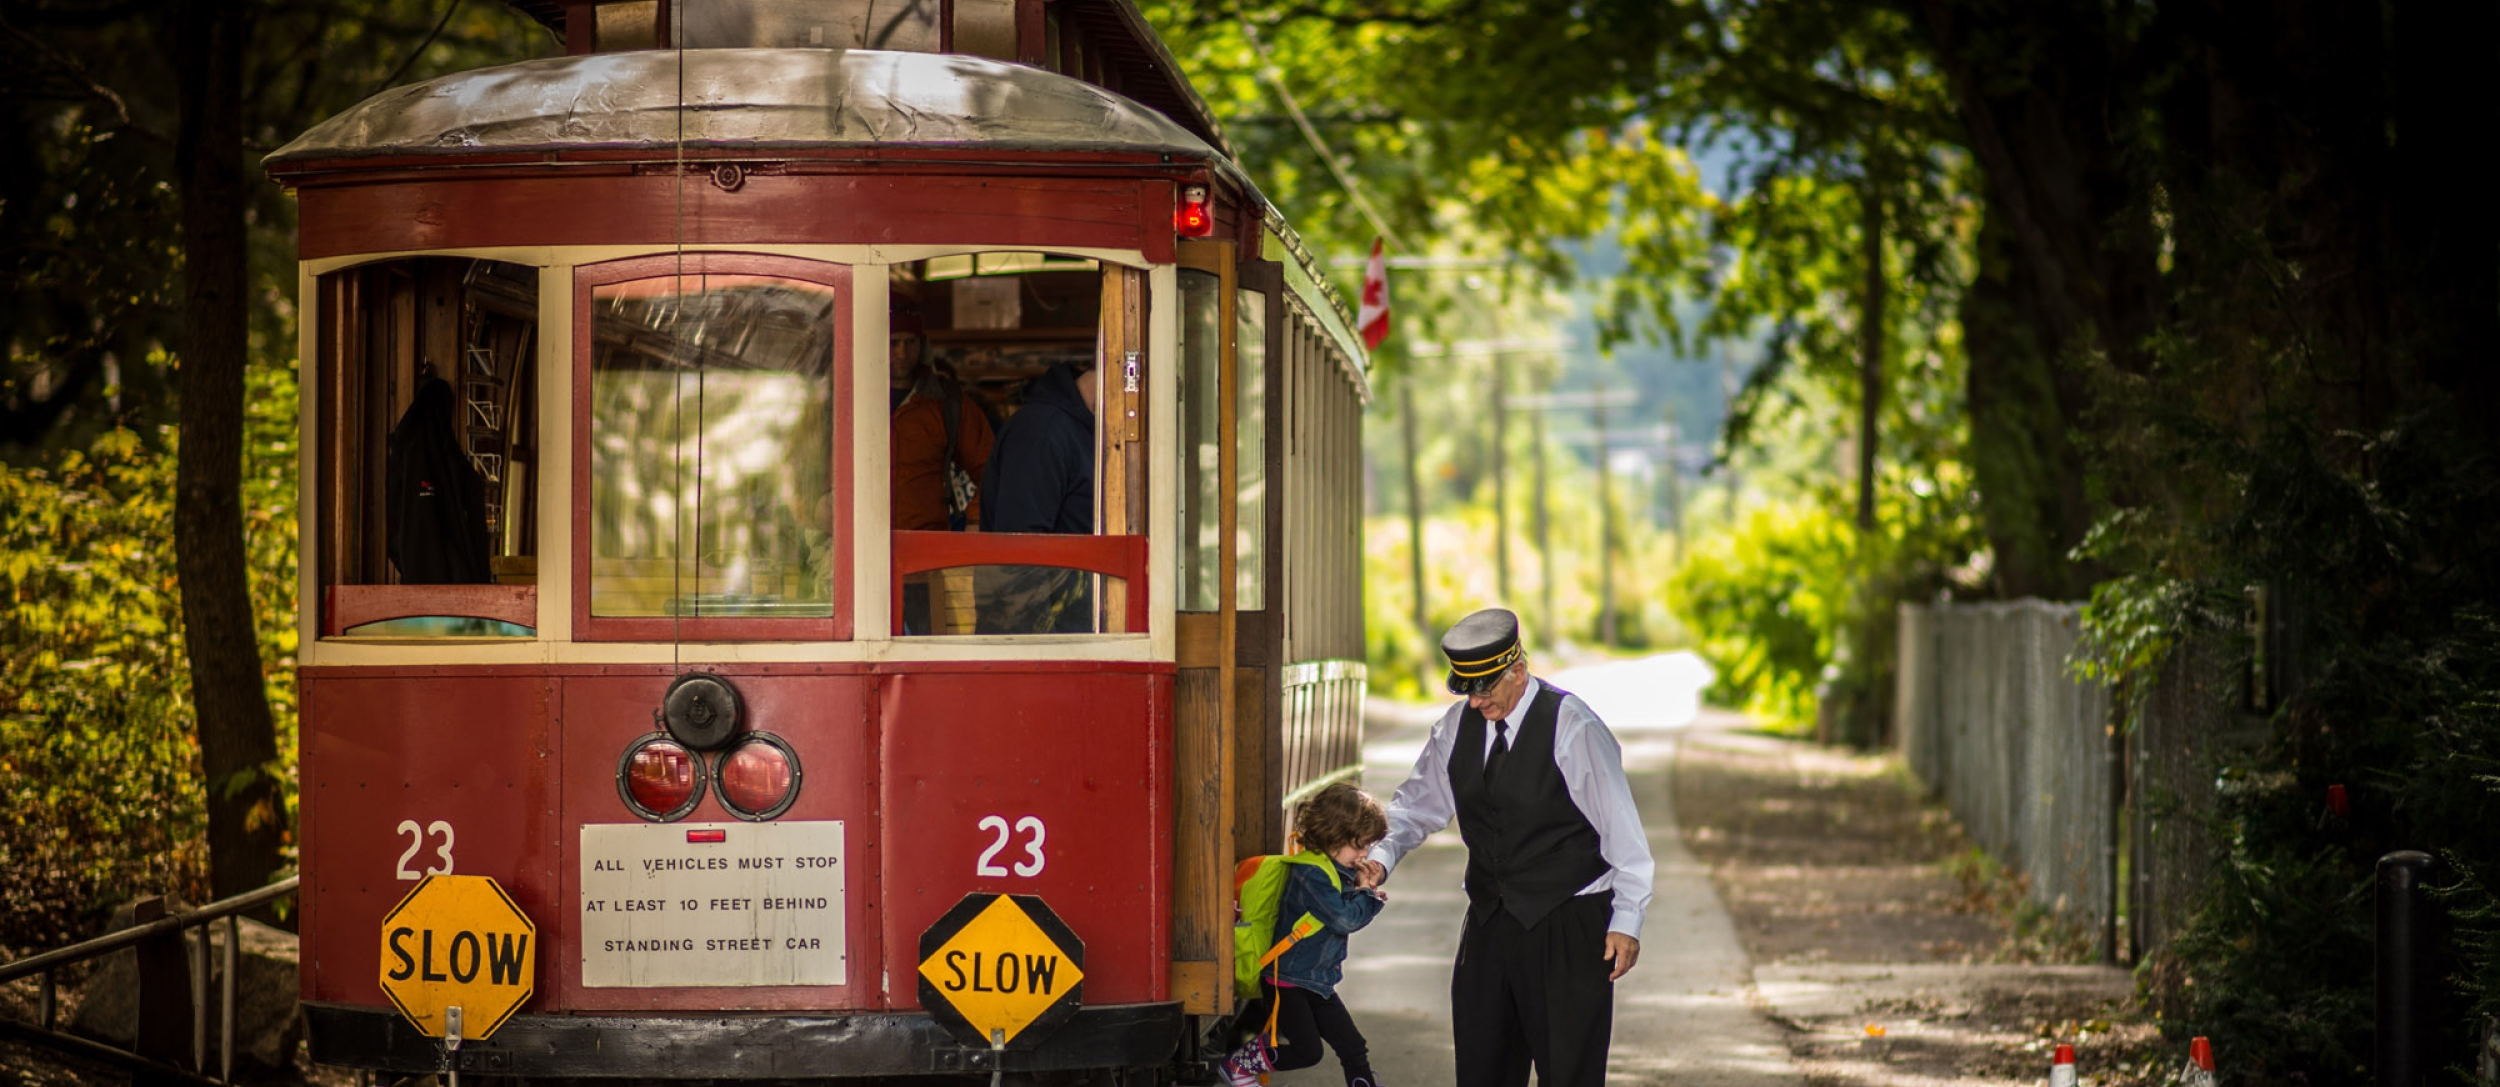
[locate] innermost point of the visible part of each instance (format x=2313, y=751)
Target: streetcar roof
x=750, y=99
x=763, y=99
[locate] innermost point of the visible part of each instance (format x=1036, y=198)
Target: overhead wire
x=677, y=391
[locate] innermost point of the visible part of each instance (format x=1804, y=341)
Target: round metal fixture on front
x=759, y=778
x=659, y=779
x=702, y=710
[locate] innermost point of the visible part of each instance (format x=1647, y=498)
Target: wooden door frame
x=1267, y=835
x=1204, y=987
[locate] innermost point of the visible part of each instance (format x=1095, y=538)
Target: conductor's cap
x=1479, y=648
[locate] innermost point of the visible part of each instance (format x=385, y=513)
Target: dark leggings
x=1306, y=1019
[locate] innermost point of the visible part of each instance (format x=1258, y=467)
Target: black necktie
x=1501, y=748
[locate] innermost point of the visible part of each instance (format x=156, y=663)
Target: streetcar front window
x=1022, y=375
x=711, y=445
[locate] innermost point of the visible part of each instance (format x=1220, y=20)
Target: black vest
x=1529, y=848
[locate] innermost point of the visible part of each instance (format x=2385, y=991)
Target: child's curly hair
x=1339, y=815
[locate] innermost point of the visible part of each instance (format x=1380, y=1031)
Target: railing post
x=2405, y=971
x=199, y=1000
x=164, y=990
x=225, y=1034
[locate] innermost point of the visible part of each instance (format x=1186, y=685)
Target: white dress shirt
x=1591, y=763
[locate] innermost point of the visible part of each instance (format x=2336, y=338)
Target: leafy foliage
x=99, y=784
x=100, y=790
x=1770, y=597
x=2215, y=282
x=96, y=679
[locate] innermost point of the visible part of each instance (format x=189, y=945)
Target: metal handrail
x=229, y=910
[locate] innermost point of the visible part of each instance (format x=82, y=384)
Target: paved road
x=1682, y=1017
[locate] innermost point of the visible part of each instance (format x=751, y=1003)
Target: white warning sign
x=693, y=904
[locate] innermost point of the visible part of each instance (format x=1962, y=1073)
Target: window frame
x=837, y=627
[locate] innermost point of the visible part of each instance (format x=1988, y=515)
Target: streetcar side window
x=426, y=425
x=711, y=428
x=1201, y=525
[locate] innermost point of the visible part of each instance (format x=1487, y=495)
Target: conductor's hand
x=1622, y=951
x=1371, y=874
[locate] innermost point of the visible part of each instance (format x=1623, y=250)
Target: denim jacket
x=1318, y=963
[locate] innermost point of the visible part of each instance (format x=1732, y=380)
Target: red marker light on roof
x=1192, y=217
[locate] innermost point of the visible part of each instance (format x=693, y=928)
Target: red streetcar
x=604, y=593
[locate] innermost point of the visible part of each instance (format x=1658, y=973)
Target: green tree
x=2224, y=300
x=144, y=268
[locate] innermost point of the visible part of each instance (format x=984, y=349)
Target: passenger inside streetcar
x=939, y=443
x=1015, y=334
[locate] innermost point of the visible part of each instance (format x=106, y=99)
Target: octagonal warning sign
x=458, y=942
x=1001, y=967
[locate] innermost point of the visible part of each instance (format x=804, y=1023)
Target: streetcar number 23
x=417, y=837
x=1029, y=826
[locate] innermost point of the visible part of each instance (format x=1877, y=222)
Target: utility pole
x=1501, y=485
x=1414, y=510
x=1538, y=406
x=1605, y=528
x=1675, y=490
x=1544, y=533
x=1495, y=350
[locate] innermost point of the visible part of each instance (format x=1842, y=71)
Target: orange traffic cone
x=2200, y=1066
x=2062, y=1067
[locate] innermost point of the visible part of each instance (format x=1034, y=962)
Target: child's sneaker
x=1247, y=1064
x=1365, y=1080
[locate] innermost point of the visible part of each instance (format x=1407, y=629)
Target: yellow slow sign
x=997, y=965
x=458, y=942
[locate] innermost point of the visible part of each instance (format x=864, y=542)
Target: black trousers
x=1537, y=996
x=1304, y=1019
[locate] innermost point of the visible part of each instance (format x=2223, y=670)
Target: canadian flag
x=1372, y=318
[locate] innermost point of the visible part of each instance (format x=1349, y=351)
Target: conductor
x=1558, y=867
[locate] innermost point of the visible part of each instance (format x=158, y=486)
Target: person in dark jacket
x=1299, y=996
x=1041, y=479
x=1041, y=472
x=436, y=499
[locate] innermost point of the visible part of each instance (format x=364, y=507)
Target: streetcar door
x=1210, y=687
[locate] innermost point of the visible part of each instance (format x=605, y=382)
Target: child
x=1334, y=828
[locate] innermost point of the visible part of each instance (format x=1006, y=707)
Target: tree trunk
x=2070, y=269
x=2029, y=472
x=1870, y=346
x=238, y=744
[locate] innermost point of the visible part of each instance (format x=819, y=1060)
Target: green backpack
x=1258, y=887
